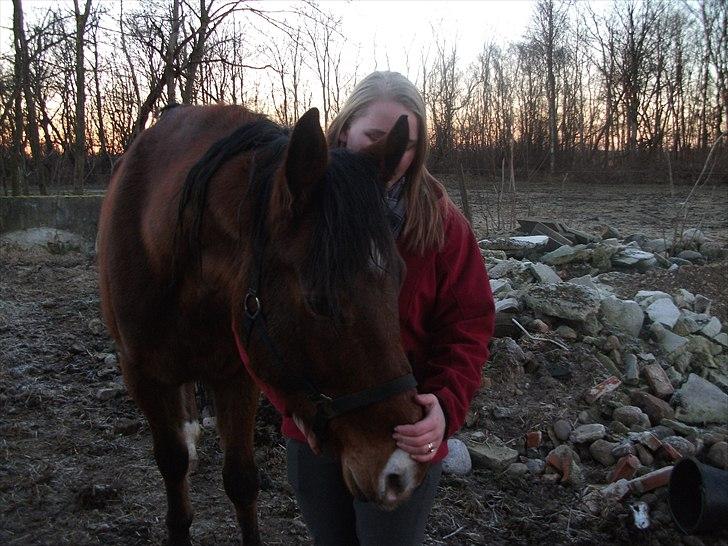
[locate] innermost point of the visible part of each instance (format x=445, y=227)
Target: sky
x=385, y=29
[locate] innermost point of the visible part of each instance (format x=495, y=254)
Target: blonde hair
x=424, y=224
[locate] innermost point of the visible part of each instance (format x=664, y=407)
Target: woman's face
x=376, y=121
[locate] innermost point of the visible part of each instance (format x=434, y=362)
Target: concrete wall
x=77, y=214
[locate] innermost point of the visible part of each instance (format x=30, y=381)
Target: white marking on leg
x=191, y=433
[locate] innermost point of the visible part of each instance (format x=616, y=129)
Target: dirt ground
x=76, y=468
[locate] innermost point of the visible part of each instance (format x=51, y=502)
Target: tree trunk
x=80, y=129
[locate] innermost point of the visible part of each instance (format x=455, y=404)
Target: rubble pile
x=663, y=388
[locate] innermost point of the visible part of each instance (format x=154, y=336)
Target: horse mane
x=350, y=219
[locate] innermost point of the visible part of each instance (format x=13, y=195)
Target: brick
x=671, y=453
x=626, y=468
x=655, y=408
x=650, y=482
x=533, y=439
x=608, y=385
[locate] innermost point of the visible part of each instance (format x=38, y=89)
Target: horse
x=239, y=254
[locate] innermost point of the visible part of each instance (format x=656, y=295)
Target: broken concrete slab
x=567, y=254
x=564, y=300
x=663, y=311
x=544, y=274
x=668, y=341
x=622, y=315
x=700, y=402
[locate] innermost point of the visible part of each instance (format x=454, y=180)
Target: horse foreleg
x=236, y=400
x=174, y=435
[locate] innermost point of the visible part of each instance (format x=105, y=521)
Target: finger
x=426, y=399
x=418, y=429
x=418, y=441
x=419, y=450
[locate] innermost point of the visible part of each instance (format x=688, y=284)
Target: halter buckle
x=251, y=297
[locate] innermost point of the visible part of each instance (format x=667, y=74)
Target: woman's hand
x=422, y=439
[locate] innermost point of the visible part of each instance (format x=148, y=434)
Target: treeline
x=636, y=91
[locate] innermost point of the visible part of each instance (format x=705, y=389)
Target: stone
x=500, y=412
x=674, y=376
x=562, y=429
x=647, y=297
x=630, y=257
x=718, y=455
x=608, y=385
x=601, y=451
x=621, y=316
x=611, y=367
x=683, y=446
x=676, y=427
x=618, y=429
x=540, y=326
x=659, y=382
x=567, y=333
x=630, y=415
x=722, y=339
x=517, y=469
x=625, y=448
x=106, y=394
x=701, y=304
x=535, y=466
x=609, y=232
x=611, y=343
x=601, y=257
x=565, y=460
x=631, y=369
x=686, y=325
x=656, y=409
x=567, y=254
x=493, y=457
x=587, y=433
x=712, y=251
x=650, y=482
x=544, y=274
x=713, y=327
x=110, y=360
x=626, y=468
x=500, y=286
x=125, y=427
x=669, y=453
x=507, y=304
x=666, y=340
x=700, y=402
x=564, y=300
x=209, y=422
x=692, y=256
x=663, y=311
x=693, y=237
x=655, y=245
x=599, y=500
x=644, y=455
x=457, y=461
x=684, y=299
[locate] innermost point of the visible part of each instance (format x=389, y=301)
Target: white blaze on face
x=190, y=434
x=397, y=480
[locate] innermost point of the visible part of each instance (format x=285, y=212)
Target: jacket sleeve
x=462, y=323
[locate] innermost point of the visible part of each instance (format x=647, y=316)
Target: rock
x=601, y=451
x=674, y=376
x=500, y=286
x=663, y=311
x=684, y=299
x=644, y=455
x=655, y=245
x=567, y=333
x=647, y=439
x=718, y=455
x=702, y=304
x=500, y=412
x=106, y=394
x=621, y=316
x=659, y=382
x=693, y=237
x=686, y=325
x=618, y=429
x=540, y=326
x=674, y=426
x=647, y=297
x=564, y=300
x=544, y=274
x=566, y=254
x=683, y=446
x=125, y=427
x=517, y=469
x=458, y=460
x=656, y=409
x=622, y=449
x=609, y=232
x=535, y=466
x=493, y=457
x=110, y=360
x=601, y=257
x=599, y=500
x=692, y=256
x=699, y=402
x=96, y=327
x=562, y=429
x=631, y=369
x=712, y=251
x=56, y=241
x=515, y=245
x=611, y=343
x=630, y=415
x=667, y=341
x=209, y=422
x=722, y=339
x=587, y=433
x=713, y=327
x=507, y=304
x=631, y=257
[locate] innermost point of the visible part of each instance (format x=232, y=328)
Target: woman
x=446, y=318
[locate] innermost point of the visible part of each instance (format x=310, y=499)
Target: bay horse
x=222, y=231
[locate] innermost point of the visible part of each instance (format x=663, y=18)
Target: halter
x=327, y=408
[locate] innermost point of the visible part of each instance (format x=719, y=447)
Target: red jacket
x=446, y=318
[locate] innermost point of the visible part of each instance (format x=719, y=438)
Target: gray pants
x=335, y=518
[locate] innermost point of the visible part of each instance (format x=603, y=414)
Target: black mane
x=350, y=219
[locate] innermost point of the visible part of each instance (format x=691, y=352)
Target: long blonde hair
x=424, y=224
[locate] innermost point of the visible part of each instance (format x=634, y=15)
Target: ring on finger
x=430, y=448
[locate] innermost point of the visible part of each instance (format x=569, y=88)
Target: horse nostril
x=394, y=484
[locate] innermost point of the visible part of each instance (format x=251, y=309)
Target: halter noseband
x=327, y=408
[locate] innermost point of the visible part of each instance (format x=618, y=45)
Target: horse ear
x=389, y=150
x=307, y=155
